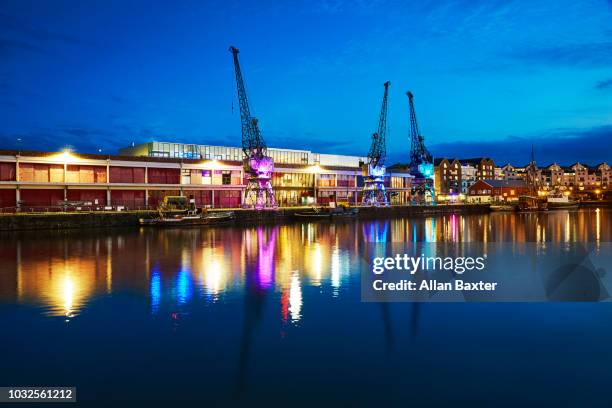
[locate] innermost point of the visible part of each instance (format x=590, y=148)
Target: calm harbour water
x=272, y=315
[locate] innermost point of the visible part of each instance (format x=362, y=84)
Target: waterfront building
x=485, y=167
x=578, y=180
x=509, y=172
x=552, y=176
x=498, y=173
x=141, y=176
x=468, y=177
x=447, y=179
x=485, y=191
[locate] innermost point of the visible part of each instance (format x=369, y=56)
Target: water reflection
x=175, y=269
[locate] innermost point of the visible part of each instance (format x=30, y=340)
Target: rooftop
x=505, y=183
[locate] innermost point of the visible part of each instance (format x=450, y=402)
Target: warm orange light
x=65, y=156
x=315, y=168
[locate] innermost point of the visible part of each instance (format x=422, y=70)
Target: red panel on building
x=7, y=171
x=164, y=176
x=40, y=198
x=127, y=174
x=86, y=174
x=128, y=198
x=202, y=197
x=7, y=198
x=88, y=196
x=227, y=199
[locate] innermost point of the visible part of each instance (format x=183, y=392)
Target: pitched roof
x=505, y=183
x=439, y=160
x=399, y=166
x=474, y=161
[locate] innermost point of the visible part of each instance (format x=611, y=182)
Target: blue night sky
x=489, y=77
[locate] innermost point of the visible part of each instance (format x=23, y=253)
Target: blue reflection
x=184, y=287
x=155, y=289
x=376, y=234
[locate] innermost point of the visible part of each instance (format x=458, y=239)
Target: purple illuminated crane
x=258, y=166
x=374, y=186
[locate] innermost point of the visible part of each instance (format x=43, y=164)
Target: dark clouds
x=9, y=45
x=80, y=138
x=564, y=146
x=18, y=36
x=605, y=84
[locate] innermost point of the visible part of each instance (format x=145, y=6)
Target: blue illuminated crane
x=258, y=166
x=421, y=161
x=374, y=193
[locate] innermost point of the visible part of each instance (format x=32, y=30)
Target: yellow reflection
x=68, y=295
x=335, y=271
x=61, y=286
x=213, y=276
x=314, y=263
x=295, y=299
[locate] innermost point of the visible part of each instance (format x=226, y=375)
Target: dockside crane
x=258, y=166
x=421, y=161
x=374, y=193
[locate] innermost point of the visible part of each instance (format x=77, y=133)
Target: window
x=186, y=176
x=226, y=177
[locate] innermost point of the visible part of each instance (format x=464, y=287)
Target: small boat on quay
x=503, y=207
x=327, y=213
x=189, y=219
x=531, y=203
x=561, y=202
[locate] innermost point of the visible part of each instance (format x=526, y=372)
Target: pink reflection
x=265, y=258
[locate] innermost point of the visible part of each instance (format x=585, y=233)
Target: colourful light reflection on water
x=184, y=286
x=265, y=260
x=218, y=265
x=155, y=290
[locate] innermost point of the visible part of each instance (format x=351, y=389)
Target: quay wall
x=27, y=221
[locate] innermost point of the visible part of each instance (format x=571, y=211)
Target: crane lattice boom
x=418, y=152
x=253, y=144
x=257, y=165
x=378, y=149
x=374, y=192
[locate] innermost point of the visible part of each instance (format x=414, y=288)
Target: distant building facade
x=578, y=180
x=485, y=167
x=485, y=191
x=447, y=179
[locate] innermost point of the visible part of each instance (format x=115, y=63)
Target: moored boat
x=323, y=213
x=189, y=219
x=560, y=201
x=503, y=207
x=531, y=203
